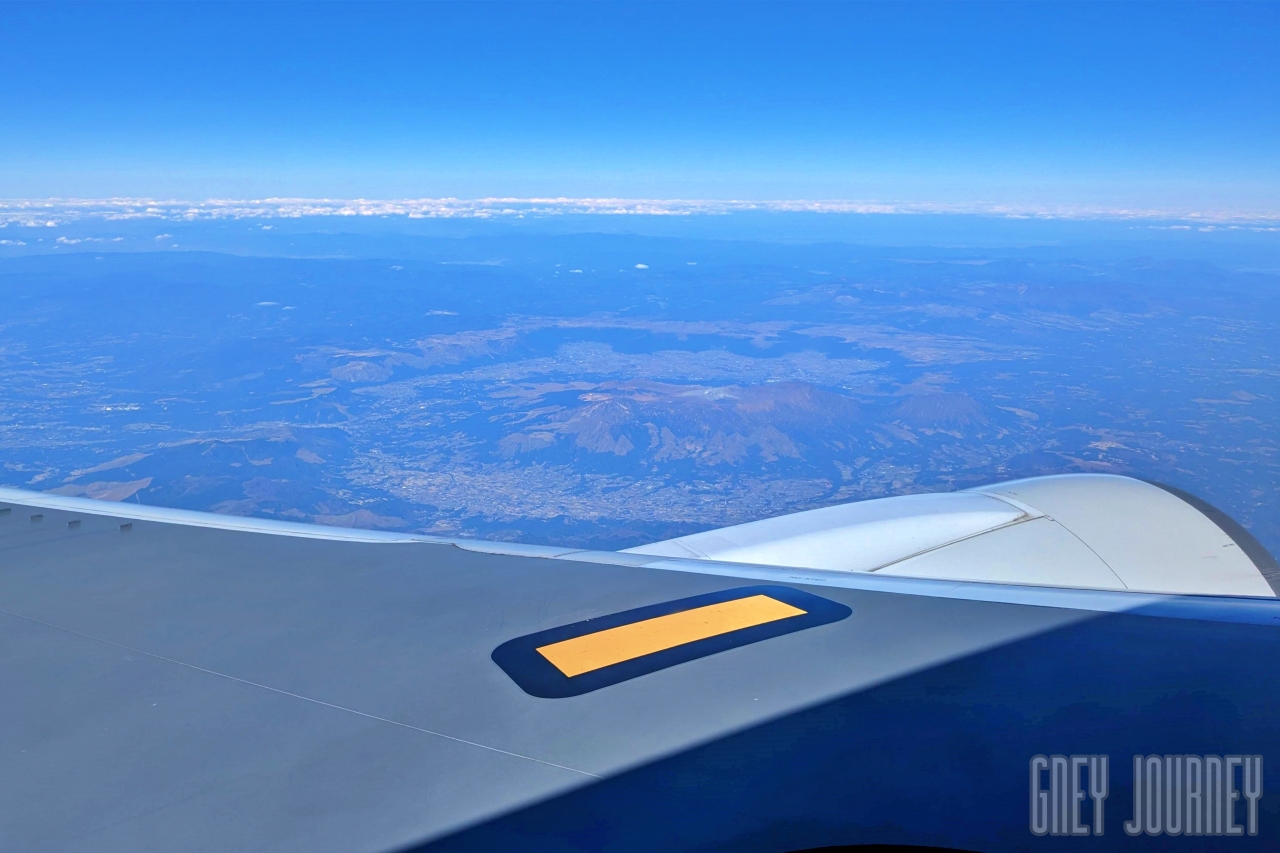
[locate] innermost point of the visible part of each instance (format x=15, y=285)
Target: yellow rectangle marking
x=626, y=642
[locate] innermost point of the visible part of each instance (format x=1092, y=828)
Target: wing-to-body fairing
x=875, y=673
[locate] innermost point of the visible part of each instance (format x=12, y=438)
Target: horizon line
x=24, y=211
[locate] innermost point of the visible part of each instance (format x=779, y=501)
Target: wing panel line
x=298, y=695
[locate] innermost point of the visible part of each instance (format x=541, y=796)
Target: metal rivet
x=75, y=522
x=128, y=525
x=37, y=516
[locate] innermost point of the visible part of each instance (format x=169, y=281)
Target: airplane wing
x=180, y=681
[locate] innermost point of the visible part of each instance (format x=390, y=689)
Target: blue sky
x=1170, y=106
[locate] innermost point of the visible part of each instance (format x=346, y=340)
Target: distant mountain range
x=568, y=395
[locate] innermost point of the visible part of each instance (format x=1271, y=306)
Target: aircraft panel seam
x=310, y=699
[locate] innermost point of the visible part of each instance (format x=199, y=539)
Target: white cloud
x=160, y=237
x=71, y=241
x=642, y=266
x=13, y=243
x=50, y=213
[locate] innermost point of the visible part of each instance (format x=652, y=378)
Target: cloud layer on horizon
x=52, y=212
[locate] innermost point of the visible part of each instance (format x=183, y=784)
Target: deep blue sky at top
x=1147, y=105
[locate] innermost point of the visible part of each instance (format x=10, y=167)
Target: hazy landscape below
x=608, y=389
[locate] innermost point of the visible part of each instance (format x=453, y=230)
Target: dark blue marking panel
x=537, y=676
